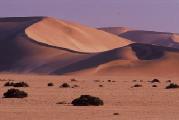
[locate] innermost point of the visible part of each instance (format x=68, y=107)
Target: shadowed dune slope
x=131, y=59
x=48, y=46
x=55, y=46
x=150, y=37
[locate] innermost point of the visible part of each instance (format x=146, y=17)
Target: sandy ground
x=145, y=103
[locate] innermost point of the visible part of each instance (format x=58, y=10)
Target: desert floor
x=142, y=103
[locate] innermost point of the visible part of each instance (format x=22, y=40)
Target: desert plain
x=106, y=62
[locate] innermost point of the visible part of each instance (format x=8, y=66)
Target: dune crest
x=116, y=30
x=149, y=37
x=175, y=37
x=43, y=45
x=72, y=36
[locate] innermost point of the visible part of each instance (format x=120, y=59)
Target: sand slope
x=44, y=45
x=54, y=47
x=72, y=36
x=150, y=37
x=133, y=59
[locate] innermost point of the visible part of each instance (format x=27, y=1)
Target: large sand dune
x=44, y=45
x=97, y=63
x=150, y=37
x=73, y=36
x=56, y=44
x=100, y=64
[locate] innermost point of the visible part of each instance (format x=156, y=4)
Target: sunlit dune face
x=73, y=36
x=175, y=37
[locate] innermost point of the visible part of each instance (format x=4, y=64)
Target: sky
x=156, y=15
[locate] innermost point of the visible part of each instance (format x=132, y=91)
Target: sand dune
x=43, y=50
x=150, y=37
x=73, y=36
x=133, y=59
x=44, y=45
x=54, y=48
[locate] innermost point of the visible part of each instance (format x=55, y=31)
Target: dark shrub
x=73, y=80
x=137, y=85
x=155, y=81
x=169, y=81
x=172, y=86
x=15, y=93
x=62, y=102
x=154, y=85
x=115, y=113
x=9, y=84
x=3, y=80
x=96, y=80
x=18, y=84
x=109, y=80
x=74, y=86
x=87, y=100
x=134, y=81
x=65, y=85
x=50, y=84
x=100, y=85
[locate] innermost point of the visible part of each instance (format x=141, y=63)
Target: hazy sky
x=159, y=15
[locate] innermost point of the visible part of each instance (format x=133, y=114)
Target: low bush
x=65, y=85
x=75, y=86
x=100, y=85
x=137, y=85
x=73, y=80
x=172, y=86
x=115, y=113
x=18, y=84
x=154, y=85
x=155, y=81
x=87, y=100
x=15, y=93
x=50, y=84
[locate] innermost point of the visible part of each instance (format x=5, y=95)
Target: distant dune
x=150, y=37
x=44, y=45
